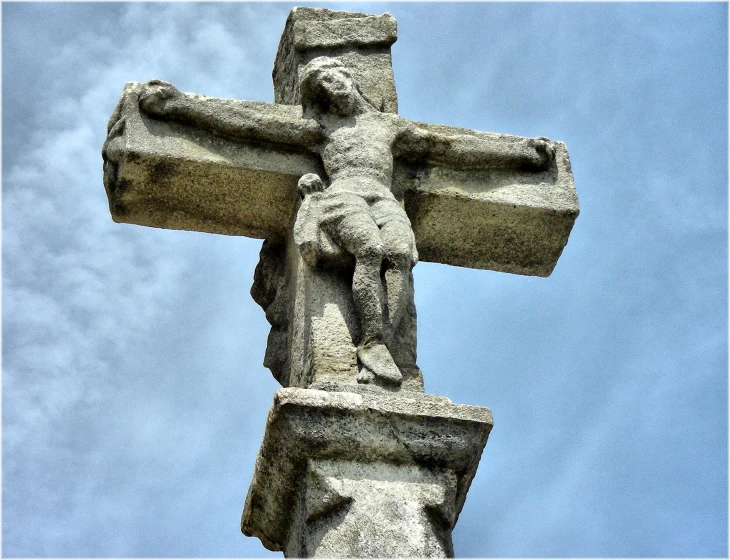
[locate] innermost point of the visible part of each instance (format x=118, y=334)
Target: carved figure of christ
x=353, y=205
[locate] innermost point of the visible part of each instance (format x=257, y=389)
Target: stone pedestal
x=363, y=474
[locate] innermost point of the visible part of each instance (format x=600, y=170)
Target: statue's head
x=326, y=86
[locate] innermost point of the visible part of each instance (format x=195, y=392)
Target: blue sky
x=134, y=396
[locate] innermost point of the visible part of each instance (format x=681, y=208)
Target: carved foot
x=376, y=360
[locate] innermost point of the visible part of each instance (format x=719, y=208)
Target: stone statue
x=356, y=213
x=357, y=460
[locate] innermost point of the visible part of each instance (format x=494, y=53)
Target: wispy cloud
x=133, y=391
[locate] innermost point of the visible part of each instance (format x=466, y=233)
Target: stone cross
x=357, y=460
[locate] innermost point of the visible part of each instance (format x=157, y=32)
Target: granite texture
x=361, y=41
x=373, y=449
x=357, y=461
x=179, y=175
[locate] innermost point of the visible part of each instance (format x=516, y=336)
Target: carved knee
x=400, y=256
x=371, y=251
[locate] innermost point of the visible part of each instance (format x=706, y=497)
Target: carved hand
x=159, y=98
x=310, y=183
x=544, y=151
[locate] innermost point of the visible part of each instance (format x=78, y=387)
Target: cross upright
x=347, y=196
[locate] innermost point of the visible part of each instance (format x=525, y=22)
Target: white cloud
x=134, y=394
x=82, y=294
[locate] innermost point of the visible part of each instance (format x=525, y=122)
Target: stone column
x=366, y=474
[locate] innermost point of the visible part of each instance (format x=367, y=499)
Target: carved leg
x=398, y=243
x=397, y=290
x=367, y=292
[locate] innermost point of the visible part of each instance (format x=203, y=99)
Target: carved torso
x=360, y=147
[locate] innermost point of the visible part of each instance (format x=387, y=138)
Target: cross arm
x=239, y=120
x=188, y=173
x=467, y=149
x=485, y=200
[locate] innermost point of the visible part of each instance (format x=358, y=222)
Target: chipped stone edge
x=306, y=424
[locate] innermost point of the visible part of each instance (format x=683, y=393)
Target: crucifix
x=357, y=459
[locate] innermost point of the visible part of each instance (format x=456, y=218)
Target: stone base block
x=366, y=474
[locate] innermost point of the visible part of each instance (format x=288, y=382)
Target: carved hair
x=310, y=87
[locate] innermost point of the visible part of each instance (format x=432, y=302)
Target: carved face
x=340, y=87
x=337, y=81
x=327, y=85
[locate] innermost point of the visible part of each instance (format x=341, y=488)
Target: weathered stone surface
x=508, y=220
x=163, y=173
x=356, y=459
x=362, y=43
x=351, y=442
x=350, y=509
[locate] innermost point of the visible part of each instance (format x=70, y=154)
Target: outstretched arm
x=242, y=120
x=464, y=149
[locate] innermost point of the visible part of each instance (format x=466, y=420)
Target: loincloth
x=343, y=213
x=381, y=210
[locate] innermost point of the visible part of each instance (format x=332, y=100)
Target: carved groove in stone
x=381, y=510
